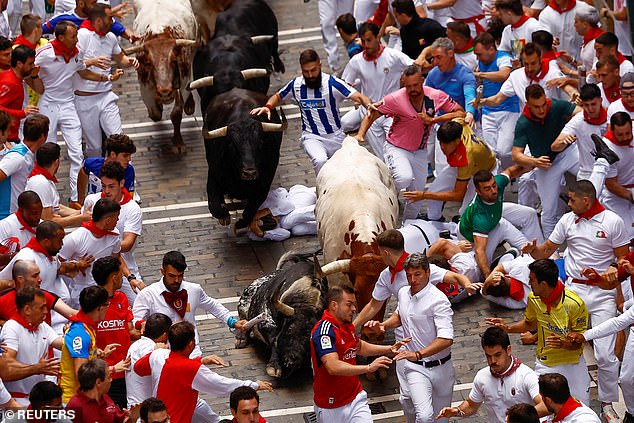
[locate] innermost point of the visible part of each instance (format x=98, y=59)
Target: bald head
x=25, y=274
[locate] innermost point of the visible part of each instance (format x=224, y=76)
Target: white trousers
x=576, y=374
x=409, y=170
x=601, y=304
x=14, y=12
x=364, y=10
x=321, y=148
x=329, y=11
x=64, y=116
x=622, y=207
x=597, y=175
x=445, y=181
x=204, y=414
x=549, y=183
x=376, y=134
x=627, y=373
x=96, y=112
x=427, y=390
x=527, y=190
x=498, y=130
x=358, y=411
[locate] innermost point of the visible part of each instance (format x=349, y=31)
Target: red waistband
x=471, y=19
x=585, y=282
x=628, y=186
x=18, y=395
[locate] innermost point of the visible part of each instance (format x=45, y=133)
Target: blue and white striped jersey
x=319, y=107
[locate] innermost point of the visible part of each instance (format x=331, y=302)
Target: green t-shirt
x=540, y=136
x=480, y=217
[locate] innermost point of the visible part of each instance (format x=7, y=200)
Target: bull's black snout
x=249, y=173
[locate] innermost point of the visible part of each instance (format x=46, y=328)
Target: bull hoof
x=190, y=106
x=178, y=149
x=381, y=374
x=273, y=372
x=225, y=221
x=371, y=377
x=241, y=343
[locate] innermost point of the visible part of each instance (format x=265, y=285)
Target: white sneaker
x=608, y=415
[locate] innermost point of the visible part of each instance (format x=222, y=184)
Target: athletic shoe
x=423, y=216
x=603, y=151
x=608, y=415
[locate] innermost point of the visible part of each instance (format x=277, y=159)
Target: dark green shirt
x=480, y=217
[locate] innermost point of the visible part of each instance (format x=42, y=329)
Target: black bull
x=242, y=153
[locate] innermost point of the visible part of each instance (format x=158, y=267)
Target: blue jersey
x=92, y=168
x=49, y=27
x=319, y=106
x=459, y=84
x=16, y=164
x=491, y=88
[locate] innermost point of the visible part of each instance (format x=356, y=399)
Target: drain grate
x=376, y=408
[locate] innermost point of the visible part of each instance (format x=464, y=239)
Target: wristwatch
x=130, y=277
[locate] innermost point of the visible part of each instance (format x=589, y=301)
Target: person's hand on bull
x=395, y=349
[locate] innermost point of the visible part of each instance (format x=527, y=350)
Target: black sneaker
x=603, y=151
x=423, y=216
x=628, y=418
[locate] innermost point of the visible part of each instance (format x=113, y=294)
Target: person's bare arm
x=127, y=243
x=542, y=162
x=93, y=76
x=440, y=4
x=515, y=171
x=82, y=185
x=563, y=141
x=497, y=76
x=372, y=115
x=480, y=247
x=617, y=189
x=74, y=219
x=64, y=309
x=271, y=103
x=464, y=409
x=77, y=362
x=336, y=367
x=456, y=194
x=368, y=312
x=518, y=327
x=544, y=250
x=16, y=370
x=492, y=101
x=357, y=97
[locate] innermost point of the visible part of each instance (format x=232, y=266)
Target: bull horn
x=206, y=81
x=339, y=266
x=286, y=310
x=254, y=73
x=134, y=49
x=259, y=39
x=272, y=127
x=181, y=42
x=216, y=133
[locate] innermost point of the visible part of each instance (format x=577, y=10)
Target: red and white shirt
x=582, y=129
x=11, y=227
x=518, y=81
x=618, y=106
x=560, y=23
x=57, y=74
x=113, y=329
x=515, y=37
x=46, y=190
x=92, y=45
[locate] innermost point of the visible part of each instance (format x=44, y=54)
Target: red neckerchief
x=569, y=406
x=261, y=420
x=592, y=33
x=374, y=58
x=609, y=135
x=88, y=25
x=99, y=233
x=82, y=317
x=591, y=212
x=515, y=363
x=542, y=73
x=176, y=300
x=620, y=57
x=603, y=117
x=37, y=247
x=468, y=47
x=459, y=156
x=569, y=6
x=551, y=55
x=527, y=113
x=398, y=267
x=21, y=320
x=23, y=222
x=39, y=170
x=126, y=196
x=612, y=93
x=516, y=289
x=520, y=22
x=61, y=50
x=21, y=41
x=554, y=296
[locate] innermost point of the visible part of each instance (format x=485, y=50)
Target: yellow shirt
x=568, y=315
x=80, y=341
x=478, y=154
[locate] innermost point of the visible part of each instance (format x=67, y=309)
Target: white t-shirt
x=17, y=164
x=30, y=347
x=518, y=81
x=468, y=58
x=561, y=25
x=583, y=414
x=92, y=45
x=464, y=9
x=138, y=388
x=590, y=242
x=519, y=387
x=10, y=227
x=579, y=127
x=617, y=106
x=82, y=242
x=57, y=75
x=625, y=67
x=47, y=191
x=587, y=56
x=514, y=39
x=623, y=170
x=380, y=79
x=604, y=99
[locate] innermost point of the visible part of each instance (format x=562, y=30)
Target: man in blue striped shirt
x=318, y=95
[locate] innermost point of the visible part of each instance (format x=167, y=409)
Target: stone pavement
x=176, y=217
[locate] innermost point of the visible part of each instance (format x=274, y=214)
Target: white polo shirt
x=82, y=242
x=57, y=75
x=618, y=106
x=130, y=220
x=519, y=387
x=425, y=316
x=92, y=45
x=30, y=347
x=518, y=81
x=138, y=388
x=561, y=25
x=47, y=191
x=579, y=127
x=590, y=242
x=17, y=164
x=623, y=170
x=516, y=269
x=384, y=288
x=10, y=227
x=519, y=36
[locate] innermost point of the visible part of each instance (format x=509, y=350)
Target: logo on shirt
x=77, y=343
x=313, y=104
x=350, y=354
x=326, y=343
x=386, y=70
x=601, y=234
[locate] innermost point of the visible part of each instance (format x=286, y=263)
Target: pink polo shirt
x=408, y=130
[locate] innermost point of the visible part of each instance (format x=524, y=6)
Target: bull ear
x=318, y=273
x=286, y=310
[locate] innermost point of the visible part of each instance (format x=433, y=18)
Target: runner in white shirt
x=558, y=18
x=94, y=100
x=129, y=224
x=519, y=27
x=467, y=11
x=555, y=393
x=587, y=26
x=504, y=383
x=508, y=283
x=460, y=35
x=426, y=316
x=595, y=238
x=139, y=388
x=607, y=73
x=28, y=339
x=59, y=60
x=607, y=44
x=376, y=72
x=626, y=102
x=179, y=299
x=96, y=238
x=24, y=221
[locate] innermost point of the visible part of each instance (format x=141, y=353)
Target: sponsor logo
x=77, y=344
x=325, y=342
x=350, y=354
x=109, y=324
x=313, y=104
